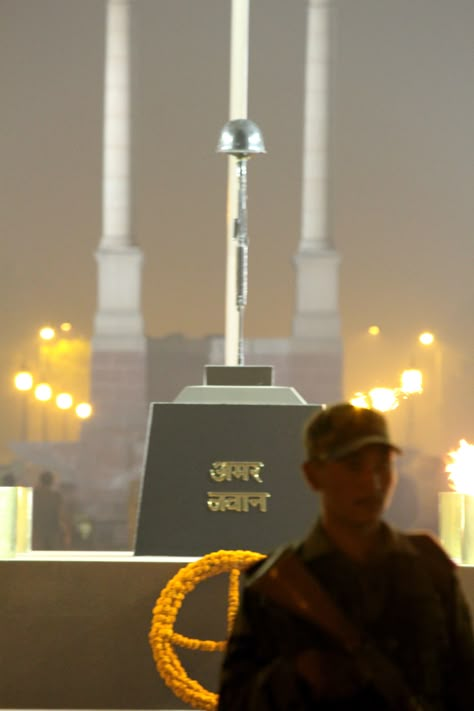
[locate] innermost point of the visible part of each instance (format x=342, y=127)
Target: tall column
x=316, y=262
x=118, y=379
x=118, y=324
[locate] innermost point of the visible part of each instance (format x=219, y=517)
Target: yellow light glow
x=373, y=330
x=383, y=399
x=411, y=381
x=66, y=327
x=64, y=401
x=461, y=468
x=43, y=392
x=47, y=333
x=360, y=400
x=23, y=380
x=426, y=338
x=84, y=410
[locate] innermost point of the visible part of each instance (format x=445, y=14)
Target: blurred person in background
x=49, y=524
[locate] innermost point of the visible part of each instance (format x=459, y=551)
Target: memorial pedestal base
x=74, y=631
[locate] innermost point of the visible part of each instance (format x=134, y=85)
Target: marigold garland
x=162, y=635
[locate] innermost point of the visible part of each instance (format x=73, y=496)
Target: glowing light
x=360, y=400
x=373, y=330
x=47, y=333
x=23, y=380
x=411, y=381
x=426, y=338
x=66, y=327
x=64, y=401
x=461, y=468
x=84, y=410
x=43, y=392
x=384, y=399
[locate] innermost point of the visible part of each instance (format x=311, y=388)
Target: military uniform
x=406, y=600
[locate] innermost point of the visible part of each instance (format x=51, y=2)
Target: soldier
x=358, y=615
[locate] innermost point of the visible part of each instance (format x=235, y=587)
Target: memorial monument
x=222, y=460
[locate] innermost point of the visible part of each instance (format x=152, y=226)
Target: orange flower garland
x=162, y=636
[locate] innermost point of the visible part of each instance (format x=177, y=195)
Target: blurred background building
x=370, y=180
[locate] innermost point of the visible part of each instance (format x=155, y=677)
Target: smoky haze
x=401, y=177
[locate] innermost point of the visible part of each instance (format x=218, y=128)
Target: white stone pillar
x=314, y=202
x=116, y=135
x=118, y=322
x=316, y=262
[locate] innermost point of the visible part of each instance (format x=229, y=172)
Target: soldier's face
x=354, y=490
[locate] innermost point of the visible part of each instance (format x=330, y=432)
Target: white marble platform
x=75, y=630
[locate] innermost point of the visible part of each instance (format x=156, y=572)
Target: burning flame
x=461, y=468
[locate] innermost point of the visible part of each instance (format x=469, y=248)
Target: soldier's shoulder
x=434, y=559
x=429, y=546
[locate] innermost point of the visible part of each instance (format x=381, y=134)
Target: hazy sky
x=401, y=173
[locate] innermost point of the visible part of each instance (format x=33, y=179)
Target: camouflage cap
x=339, y=430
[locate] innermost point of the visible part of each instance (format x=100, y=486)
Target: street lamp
x=23, y=382
x=432, y=342
x=64, y=402
x=43, y=393
x=84, y=410
x=411, y=381
x=373, y=330
x=46, y=333
x=426, y=338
